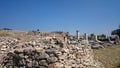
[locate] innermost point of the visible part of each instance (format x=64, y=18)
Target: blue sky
x=88, y=16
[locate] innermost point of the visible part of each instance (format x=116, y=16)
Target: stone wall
x=43, y=54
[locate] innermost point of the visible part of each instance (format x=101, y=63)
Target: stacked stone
x=6, y=43
x=46, y=55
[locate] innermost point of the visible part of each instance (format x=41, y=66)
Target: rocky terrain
x=44, y=51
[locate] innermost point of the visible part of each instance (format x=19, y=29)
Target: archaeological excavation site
x=59, y=33
x=36, y=49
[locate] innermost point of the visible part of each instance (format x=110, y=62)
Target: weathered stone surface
x=43, y=63
x=66, y=66
x=52, y=60
x=43, y=54
x=52, y=65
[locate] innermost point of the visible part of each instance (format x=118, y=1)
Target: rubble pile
x=43, y=54
x=7, y=43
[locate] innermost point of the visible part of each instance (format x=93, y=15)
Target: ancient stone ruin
x=45, y=53
x=37, y=49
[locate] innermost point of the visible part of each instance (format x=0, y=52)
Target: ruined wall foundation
x=45, y=55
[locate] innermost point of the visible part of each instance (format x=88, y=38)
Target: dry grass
x=4, y=33
x=18, y=34
x=110, y=56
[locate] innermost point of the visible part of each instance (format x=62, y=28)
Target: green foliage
x=6, y=29
x=38, y=30
x=102, y=36
x=116, y=32
x=92, y=34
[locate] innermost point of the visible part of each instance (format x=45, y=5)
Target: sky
x=87, y=16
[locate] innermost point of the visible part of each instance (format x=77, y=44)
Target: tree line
x=116, y=31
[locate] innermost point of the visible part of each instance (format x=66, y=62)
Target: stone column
x=86, y=39
x=54, y=36
x=117, y=40
x=77, y=34
x=85, y=36
x=65, y=39
x=109, y=40
x=96, y=38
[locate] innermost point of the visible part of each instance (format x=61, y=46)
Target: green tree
x=92, y=36
x=116, y=32
x=38, y=30
x=102, y=36
x=6, y=29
